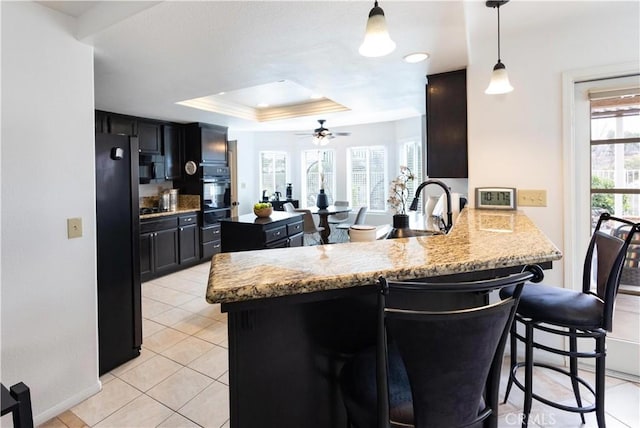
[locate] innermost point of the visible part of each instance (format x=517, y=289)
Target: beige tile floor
x=181, y=377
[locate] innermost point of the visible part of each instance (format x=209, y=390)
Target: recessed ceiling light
x=262, y=105
x=416, y=57
x=315, y=96
x=221, y=93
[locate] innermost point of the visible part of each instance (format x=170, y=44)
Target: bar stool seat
x=561, y=306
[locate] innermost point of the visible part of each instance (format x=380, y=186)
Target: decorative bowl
x=263, y=212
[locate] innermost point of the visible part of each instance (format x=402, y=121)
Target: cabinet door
x=149, y=137
x=189, y=243
x=121, y=125
x=165, y=249
x=214, y=144
x=146, y=257
x=447, y=125
x=296, y=240
x=172, y=147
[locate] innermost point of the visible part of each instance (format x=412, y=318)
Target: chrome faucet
x=414, y=203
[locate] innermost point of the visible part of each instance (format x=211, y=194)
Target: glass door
x=608, y=126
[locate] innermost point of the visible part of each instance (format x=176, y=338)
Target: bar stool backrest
x=603, y=264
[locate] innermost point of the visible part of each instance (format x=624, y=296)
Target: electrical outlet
x=74, y=227
x=532, y=198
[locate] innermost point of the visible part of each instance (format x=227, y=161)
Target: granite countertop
x=479, y=240
x=253, y=219
x=180, y=210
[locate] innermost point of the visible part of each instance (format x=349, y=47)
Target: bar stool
x=17, y=402
x=432, y=367
x=586, y=314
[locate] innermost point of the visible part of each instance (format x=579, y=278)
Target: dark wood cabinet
x=121, y=125
x=248, y=232
x=211, y=241
x=188, y=238
x=172, y=149
x=206, y=143
x=279, y=205
x=446, y=113
x=168, y=243
x=150, y=137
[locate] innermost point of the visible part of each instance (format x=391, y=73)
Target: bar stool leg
x=23, y=417
x=573, y=369
x=513, y=358
x=600, y=372
x=528, y=374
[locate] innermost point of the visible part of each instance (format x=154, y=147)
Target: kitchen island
x=296, y=314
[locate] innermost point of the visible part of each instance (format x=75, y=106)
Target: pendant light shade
x=499, y=83
x=376, y=39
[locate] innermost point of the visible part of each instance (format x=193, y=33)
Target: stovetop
x=149, y=210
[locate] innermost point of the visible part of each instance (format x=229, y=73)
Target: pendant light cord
x=498, y=32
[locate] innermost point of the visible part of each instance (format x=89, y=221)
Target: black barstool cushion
x=358, y=383
x=559, y=306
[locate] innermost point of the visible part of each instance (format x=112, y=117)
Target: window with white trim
x=273, y=172
x=366, y=177
x=411, y=157
x=317, y=165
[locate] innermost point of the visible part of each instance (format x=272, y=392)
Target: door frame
x=232, y=156
x=575, y=201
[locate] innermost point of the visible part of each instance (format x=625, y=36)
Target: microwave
x=150, y=169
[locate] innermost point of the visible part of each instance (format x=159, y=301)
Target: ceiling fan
x=322, y=135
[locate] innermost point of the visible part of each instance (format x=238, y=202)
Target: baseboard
x=67, y=404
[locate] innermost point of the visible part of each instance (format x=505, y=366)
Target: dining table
x=323, y=214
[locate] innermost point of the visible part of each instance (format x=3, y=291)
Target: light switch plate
x=532, y=198
x=74, y=227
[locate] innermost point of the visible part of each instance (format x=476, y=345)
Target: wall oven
x=216, y=188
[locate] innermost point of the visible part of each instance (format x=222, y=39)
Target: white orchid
x=398, y=192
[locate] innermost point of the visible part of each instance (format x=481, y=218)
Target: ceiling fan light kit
x=377, y=41
x=499, y=83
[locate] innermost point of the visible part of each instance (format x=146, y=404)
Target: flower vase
x=322, y=201
x=400, y=227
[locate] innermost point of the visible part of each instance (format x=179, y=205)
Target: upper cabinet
x=446, y=137
x=206, y=143
x=172, y=136
x=121, y=125
x=150, y=137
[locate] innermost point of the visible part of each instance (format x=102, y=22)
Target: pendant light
x=499, y=83
x=376, y=38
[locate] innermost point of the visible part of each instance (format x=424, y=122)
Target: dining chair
x=288, y=207
x=576, y=315
x=311, y=228
x=339, y=217
x=360, y=218
x=432, y=367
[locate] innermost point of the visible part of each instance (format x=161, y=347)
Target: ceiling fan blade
x=342, y=134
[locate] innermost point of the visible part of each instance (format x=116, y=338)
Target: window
x=615, y=153
x=366, y=178
x=311, y=175
x=411, y=157
x=273, y=172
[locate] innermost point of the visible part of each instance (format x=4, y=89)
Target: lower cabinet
x=247, y=232
x=211, y=243
x=167, y=243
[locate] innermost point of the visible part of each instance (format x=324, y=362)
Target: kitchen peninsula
x=295, y=314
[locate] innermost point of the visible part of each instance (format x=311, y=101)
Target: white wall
x=515, y=140
x=49, y=316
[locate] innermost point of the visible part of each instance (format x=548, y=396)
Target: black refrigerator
x=118, y=250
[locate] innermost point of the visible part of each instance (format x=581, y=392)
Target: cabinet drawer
x=210, y=248
x=211, y=233
x=293, y=228
x=275, y=234
x=155, y=225
x=296, y=240
x=281, y=243
x=187, y=219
